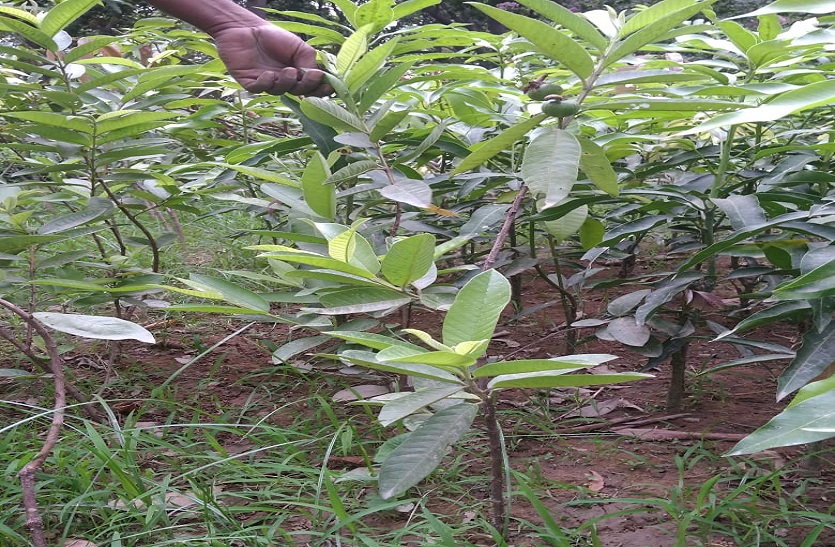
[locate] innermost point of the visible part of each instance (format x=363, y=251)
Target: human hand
x=268, y=58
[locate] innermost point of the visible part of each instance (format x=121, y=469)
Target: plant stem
x=494, y=440
x=678, y=364
x=34, y=522
x=505, y=229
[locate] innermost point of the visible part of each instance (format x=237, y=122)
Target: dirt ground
x=595, y=446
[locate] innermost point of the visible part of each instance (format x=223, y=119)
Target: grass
x=174, y=474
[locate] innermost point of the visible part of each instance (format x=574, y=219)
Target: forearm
x=209, y=16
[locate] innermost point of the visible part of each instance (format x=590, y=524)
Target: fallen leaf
x=596, y=482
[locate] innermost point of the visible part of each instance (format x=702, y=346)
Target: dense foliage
x=436, y=166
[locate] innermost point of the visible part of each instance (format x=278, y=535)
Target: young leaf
x=550, y=165
x=423, y=450
x=318, y=194
x=409, y=259
x=94, y=326
x=372, y=340
x=404, y=406
x=331, y=115
x=374, y=14
x=368, y=65
x=352, y=49
x=552, y=42
x=476, y=309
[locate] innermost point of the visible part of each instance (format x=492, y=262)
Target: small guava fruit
x=560, y=109
x=544, y=91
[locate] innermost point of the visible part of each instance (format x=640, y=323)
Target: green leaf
x=369, y=360
x=27, y=31
x=817, y=283
x=408, y=191
x=443, y=359
x=597, y=167
x=813, y=357
x=343, y=246
x=552, y=42
x=556, y=379
x=568, y=224
x=773, y=314
x=813, y=7
x=130, y=119
x=791, y=102
x=61, y=15
x=741, y=37
x=372, y=340
x=332, y=115
x=407, y=405
x=208, y=308
x=742, y=210
x=288, y=254
x=318, y=194
x=663, y=293
x=94, y=326
x=75, y=123
x=572, y=21
x=486, y=150
x=565, y=363
x=476, y=309
x=409, y=259
x=375, y=14
x=360, y=300
x=662, y=22
x=354, y=47
x=350, y=172
x=97, y=207
x=230, y=292
x=424, y=449
x=382, y=128
x=643, y=17
x=811, y=420
x=402, y=9
x=813, y=390
x=550, y=165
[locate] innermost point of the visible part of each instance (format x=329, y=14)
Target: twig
x=667, y=435
x=505, y=229
x=34, y=522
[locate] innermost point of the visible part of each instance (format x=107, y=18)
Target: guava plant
x=454, y=380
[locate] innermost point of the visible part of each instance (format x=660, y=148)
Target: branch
x=34, y=522
x=505, y=229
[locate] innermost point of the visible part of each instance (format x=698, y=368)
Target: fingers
x=291, y=80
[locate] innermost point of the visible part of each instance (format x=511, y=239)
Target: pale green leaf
x=27, y=31
x=230, y=292
x=75, y=123
x=809, y=96
x=550, y=165
x=813, y=390
x=424, y=449
x=568, y=224
x=408, y=191
x=809, y=421
x=410, y=403
x=351, y=171
x=374, y=14
x=570, y=20
x=476, y=309
x=742, y=210
x=814, y=356
x=443, y=359
x=97, y=207
x=372, y=340
x=94, y=326
x=812, y=7
x=369, y=360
